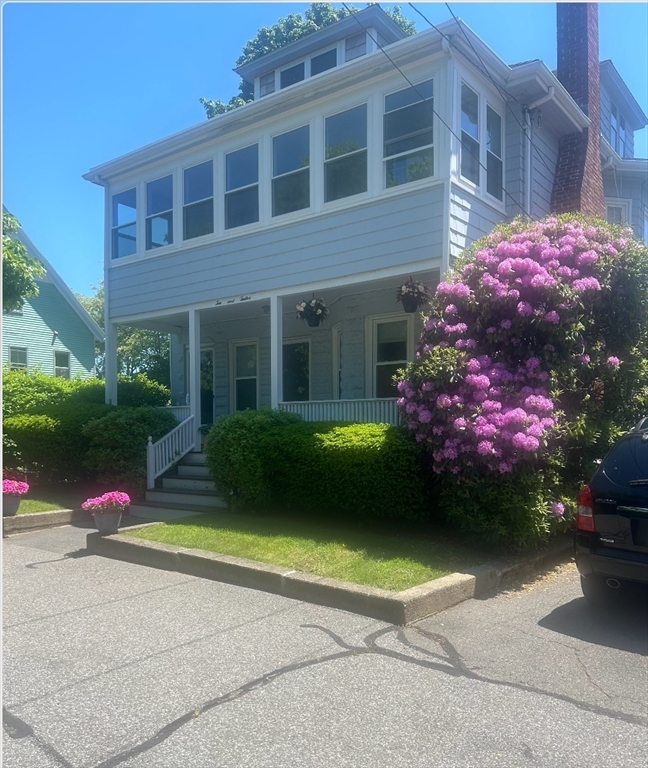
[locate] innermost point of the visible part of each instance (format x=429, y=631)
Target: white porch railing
x=181, y=412
x=168, y=449
x=374, y=411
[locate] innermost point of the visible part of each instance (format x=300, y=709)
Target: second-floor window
x=62, y=364
x=17, y=358
x=124, y=226
x=159, y=213
x=290, y=171
x=408, y=135
x=242, y=187
x=469, y=134
x=198, y=199
x=345, y=168
x=617, y=132
x=494, y=181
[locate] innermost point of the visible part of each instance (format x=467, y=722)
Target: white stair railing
x=169, y=449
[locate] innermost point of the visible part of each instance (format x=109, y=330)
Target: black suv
x=611, y=539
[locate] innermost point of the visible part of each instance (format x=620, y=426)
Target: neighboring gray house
x=52, y=332
x=350, y=172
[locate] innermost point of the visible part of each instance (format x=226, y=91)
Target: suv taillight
x=584, y=510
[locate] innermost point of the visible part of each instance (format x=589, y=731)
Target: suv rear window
x=627, y=461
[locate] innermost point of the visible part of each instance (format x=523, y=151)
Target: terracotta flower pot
x=10, y=504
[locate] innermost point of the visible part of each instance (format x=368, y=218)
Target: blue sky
x=86, y=82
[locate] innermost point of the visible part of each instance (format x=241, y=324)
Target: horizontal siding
x=470, y=219
x=34, y=329
x=385, y=233
x=544, y=154
x=514, y=161
x=617, y=184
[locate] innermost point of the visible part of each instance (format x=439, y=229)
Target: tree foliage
x=138, y=350
x=19, y=269
x=287, y=30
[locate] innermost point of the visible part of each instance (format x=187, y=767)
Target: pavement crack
x=16, y=728
x=591, y=680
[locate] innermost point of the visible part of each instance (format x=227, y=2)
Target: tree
x=138, y=350
x=19, y=269
x=287, y=30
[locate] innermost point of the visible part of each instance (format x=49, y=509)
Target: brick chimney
x=578, y=182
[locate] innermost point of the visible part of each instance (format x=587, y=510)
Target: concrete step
x=193, y=470
x=186, y=497
x=192, y=458
x=188, y=483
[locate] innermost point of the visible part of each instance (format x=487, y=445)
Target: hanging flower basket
x=12, y=491
x=314, y=311
x=412, y=295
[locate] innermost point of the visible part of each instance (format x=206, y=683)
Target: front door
x=207, y=386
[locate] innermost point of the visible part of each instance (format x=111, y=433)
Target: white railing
x=374, y=411
x=169, y=449
x=181, y=412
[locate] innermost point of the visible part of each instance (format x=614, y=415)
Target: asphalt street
x=109, y=664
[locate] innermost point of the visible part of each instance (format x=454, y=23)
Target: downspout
x=529, y=140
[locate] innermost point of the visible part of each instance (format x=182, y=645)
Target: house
x=367, y=157
x=52, y=332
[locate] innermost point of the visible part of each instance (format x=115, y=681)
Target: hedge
x=358, y=470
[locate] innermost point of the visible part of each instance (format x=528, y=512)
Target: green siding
x=34, y=329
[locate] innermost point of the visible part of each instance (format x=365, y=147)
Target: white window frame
x=172, y=210
x=299, y=211
x=115, y=227
x=371, y=344
x=234, y=378
x=298, y=340
x=291, y=65
x=488, y=152
x=624, y=204
x=68, y=366
x=208, y=235
x=261, y=197
x=18, y=366
x=368, y=149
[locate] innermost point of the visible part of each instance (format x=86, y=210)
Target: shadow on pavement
x=622, y=625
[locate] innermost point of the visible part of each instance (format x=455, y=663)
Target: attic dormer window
x=292, y=75
x=355, y=46
x=267, y=84
x=323, y=62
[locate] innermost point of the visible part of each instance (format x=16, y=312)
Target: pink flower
x=613, y=361
x=558, y=509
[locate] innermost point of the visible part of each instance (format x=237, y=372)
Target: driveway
x=110, y=664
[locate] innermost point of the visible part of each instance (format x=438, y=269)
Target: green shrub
x=231, y=451
x=28, y=392
x=116, y=445
x=51, y=445
x=360, y=470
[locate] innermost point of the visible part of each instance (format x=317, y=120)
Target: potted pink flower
x=12, y=490
x=107, y=510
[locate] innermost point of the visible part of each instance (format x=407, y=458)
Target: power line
x=434, y=112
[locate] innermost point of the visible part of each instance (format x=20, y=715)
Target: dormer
x=621, y=115
x=328, y=48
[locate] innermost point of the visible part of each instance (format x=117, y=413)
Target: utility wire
x=434, y=112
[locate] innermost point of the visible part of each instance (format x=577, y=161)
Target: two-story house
x=366, y=157
x=51, y=332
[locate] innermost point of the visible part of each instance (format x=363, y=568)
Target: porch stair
x=185, y=489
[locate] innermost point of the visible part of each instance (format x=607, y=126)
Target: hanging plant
x=413, y=294
x=312, y=310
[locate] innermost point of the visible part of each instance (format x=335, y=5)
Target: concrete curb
x=393, y=607
x=35, y=520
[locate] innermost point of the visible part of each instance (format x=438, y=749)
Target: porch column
x=194, y=371
x=276, y=351
x=110, y=363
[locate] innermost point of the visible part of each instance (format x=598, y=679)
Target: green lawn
x=390, y=559
x=46, y=499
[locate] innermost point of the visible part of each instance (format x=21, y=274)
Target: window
x=290, y=171
x=469, y=134
x=617, y=212
x=622, y=137
x=407, y=135
x=494, y=178
x=17, y=358
x=159, y=213
x=124, y=214
x=296, y=371
x=245, y=376
x=323, y=62
x=267, y=84
x=242, y=187
x=618, y=136
x=292, y=75
x=62, y=364
x=355, y=46
x=345, y=168
x=198, y=210
x=391, y=348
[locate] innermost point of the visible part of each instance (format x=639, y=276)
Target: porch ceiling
x=176, y=322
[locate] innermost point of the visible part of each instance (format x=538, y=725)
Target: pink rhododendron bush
x=532, y=360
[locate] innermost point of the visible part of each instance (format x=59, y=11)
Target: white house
x=367, y=157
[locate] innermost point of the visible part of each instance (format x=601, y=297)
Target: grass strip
x=389, y=560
